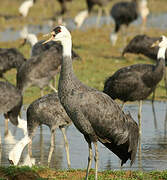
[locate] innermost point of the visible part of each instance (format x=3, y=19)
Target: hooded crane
x=46, y=110
x=141, y=44
x=10, y=58
x=137, y=82
x=94, y=113
x=123, y=13
x=10, y=105
x=81, y=16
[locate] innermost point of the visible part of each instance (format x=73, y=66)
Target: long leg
x=139, y=154
x=66, y=146
x=106, y=11
x=139, y=115
x=6, y=126
x=155, y=119
x=165, y=80
x=52, y=142
x=99, y=16
x=89, y=160
x=96, y=159
x=122, y=107
x=51, y=86
x=165, y=123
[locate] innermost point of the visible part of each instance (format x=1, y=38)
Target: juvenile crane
x=94, y=113
x=137, y=82
x=42, y=67
x=46, y=110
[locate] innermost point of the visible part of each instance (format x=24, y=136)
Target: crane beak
x=51, y=38
x=155, y=44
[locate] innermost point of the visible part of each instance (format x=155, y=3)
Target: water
x=153, y=154
x=154, y=21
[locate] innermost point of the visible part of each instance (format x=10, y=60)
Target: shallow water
x=153, y=144
x=155, y=21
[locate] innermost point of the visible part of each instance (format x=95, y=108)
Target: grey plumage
x=124, y=13
x=41, y=67
x=94, y=113
x=39, y=48
x=48, y=111
x=10, y=58
x=135, y=82
x=10, y=101
x=141, y=44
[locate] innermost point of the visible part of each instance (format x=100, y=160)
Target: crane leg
x=99, y=16
x=107, y=15
x=96, y=159
x=165, y=80
x=66, y=146
x=89, y=161
x=139, y=115
x=52, y=142
x=52, y=87
x=6, y=126
x=122, y=107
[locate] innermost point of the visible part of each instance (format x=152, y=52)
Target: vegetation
x=44, y=173
x=98, y=61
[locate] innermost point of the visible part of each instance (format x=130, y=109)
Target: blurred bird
x=25, y=6
x=81, y=16
x=123, y=13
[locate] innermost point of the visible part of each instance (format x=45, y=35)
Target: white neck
x=67, y=46
x=161, y=52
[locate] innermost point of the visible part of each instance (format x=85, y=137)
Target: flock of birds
x=95, y=114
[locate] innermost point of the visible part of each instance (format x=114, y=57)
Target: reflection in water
x=153, y=154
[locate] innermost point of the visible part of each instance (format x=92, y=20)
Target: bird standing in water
x=94, y=113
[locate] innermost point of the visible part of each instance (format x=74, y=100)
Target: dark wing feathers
x=112, y=127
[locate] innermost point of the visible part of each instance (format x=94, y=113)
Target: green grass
x=77, y=174
x=98, y=59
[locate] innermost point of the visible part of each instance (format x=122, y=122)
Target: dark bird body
x=135, y=82
x=124, y=13
x=39, y=48
x=94, y=113
x=43, y=66
x=63, y=6
x=48, y=111
x=141, y=44
x=92, y=3
x=10, y=101
x=10, y=58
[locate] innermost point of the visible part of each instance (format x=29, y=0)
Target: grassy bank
x=98, y=58
x=42, y=173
